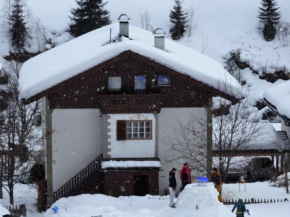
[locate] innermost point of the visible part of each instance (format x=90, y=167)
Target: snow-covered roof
x=80, y=54
x=266, y=139
x=279, y=96
x=130, y=164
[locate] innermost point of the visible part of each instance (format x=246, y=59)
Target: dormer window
x=114, y=83
x=140, y=83
x=164, y=80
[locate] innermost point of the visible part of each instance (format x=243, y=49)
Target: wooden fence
x=17, y=211
x=254, y=200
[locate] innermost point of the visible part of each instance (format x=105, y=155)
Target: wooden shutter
x=121, y=130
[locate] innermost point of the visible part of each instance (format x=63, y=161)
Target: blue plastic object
x=55, y=209
x=203, y=179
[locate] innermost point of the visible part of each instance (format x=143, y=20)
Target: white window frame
x=135, y=127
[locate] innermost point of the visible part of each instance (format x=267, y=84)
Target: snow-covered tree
x=269, y=16
x=18, y=30
x=179, y=21
x=88, y=16
x=232, y=61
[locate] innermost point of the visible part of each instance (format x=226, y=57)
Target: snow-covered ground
x=23, y=194
x=195, y=201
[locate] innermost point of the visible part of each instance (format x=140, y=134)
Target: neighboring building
x=111, y=99
x=277, y=98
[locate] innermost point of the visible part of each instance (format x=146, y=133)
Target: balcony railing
x=130, y=103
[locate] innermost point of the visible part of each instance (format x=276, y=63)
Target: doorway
x=141, y=185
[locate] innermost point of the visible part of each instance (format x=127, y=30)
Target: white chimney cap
x=124, y=18
x=159, y=32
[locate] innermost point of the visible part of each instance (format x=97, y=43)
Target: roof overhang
x=274, y=109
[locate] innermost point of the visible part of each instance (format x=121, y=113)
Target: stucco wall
x=76, y=142
x=168, y=120
x=130, y=148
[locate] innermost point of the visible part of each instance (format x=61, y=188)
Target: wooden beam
x=234, y=153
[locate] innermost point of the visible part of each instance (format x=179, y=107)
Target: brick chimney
x=124, y=25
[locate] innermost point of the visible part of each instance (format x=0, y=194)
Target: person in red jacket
x=185, y=176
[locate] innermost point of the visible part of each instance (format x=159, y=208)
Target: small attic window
x=140, y=83
x=164, y=80
x=114, y=83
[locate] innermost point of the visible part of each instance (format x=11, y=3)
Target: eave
x=274, y=109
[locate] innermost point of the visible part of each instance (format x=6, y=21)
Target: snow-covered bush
x=284, y=33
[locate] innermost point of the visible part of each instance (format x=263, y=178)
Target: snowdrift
x=3, y=211
x=194, y=201
x=200, y=201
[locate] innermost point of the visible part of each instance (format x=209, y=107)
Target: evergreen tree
x=179, y=20
x=88, y=16
x=18, y=30
x=269, y=16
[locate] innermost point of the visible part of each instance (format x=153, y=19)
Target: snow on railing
x=255, y=200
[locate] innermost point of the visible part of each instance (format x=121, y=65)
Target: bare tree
x=145, y=21
x=204, y=42
x=18, y=132
x=192, y=21
x=235, y=128
x=189, y=142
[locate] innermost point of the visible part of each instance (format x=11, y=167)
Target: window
x=140, y=83
x=114, y=83
x=127, y=130
x=164, y=80
x=138, y=130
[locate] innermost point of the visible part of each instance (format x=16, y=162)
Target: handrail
x=66, y=189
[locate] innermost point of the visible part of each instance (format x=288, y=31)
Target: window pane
x=135, y=135
x=148, y=130
x=142, y=135
x=135, y=124
x=147, y=135
x=140, y=82
x=147, y=124
x=164, y=80
x=114, y=83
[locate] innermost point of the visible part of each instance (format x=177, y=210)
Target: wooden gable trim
x=57, y=88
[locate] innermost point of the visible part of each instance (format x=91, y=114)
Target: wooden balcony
x=130, y=103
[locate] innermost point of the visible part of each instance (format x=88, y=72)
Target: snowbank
x=282, y=103
x=194, y=201
x=3, y=211
x=200, y=201
x=74, y=57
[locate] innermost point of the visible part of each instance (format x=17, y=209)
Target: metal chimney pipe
x=159, y=38
x=124, y=25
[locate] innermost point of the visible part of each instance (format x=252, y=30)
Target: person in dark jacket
x=172, y=186
x=217, y=180
x=241, y=208
x=185, y=175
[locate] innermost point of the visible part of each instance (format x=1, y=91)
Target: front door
x=141, y=185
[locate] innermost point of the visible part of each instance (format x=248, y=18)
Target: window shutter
x=121, y=130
